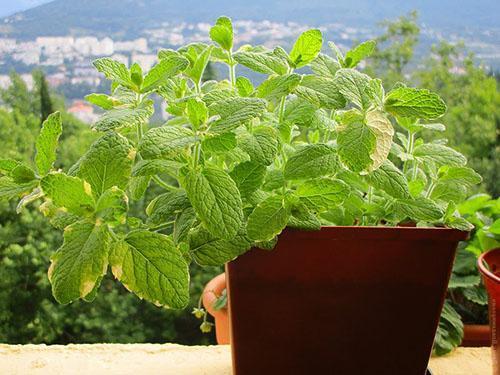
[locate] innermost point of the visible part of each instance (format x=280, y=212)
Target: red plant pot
x=212, y=291
x=342, y=300
x=476, y=335
x=489, y=266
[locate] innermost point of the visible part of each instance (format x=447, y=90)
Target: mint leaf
x=46, y=143
x=268, y=219
x=358, y=53
x=222, y=33
x=244, y=86
x=150, y=265
x=197, y=112
x=439, y=154
x=323, y=194
x=198, y=55
x=325, y=66
x=235, y=111
x=7, y=165
x=10, y=189
x=418, y=209
x=219, y=144
x=102, y=100
x=248, y=176
x=303, y=219
x=262, y=62
x=306, y=48
x=166, y=68
x=208, y=250
x=183, y=223
x=69, y=192
x=299, y=111
x=156, y=166
x=165, y=142
x=411, y=102
x=22, y=173
x=112, y=206
x=137, y=186
x=261, y=145
x=391, y=180
x=165, y=206
x=459, y=175
x=125, y=117
x=107, y=163
x=216, y=200
x=311, y=161
x=355, y=87
x=114, y=70
x=275, y=87
x=79, y=263
x=322, y=92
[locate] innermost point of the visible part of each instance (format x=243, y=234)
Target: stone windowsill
x=138, y=359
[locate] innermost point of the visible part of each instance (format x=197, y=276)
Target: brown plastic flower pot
x=342, y=300
x=212, y=291
x=489, y=266
x=476, y=335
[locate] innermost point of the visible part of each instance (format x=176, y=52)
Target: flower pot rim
x=481, y=263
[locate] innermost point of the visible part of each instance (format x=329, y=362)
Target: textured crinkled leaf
x=274, y=179
x=268, y=219
x=222, y=33
x=102, y=100
x=418, y=209
x=383, y=131
x=166, y=68
x=447, y=192
x=183, y=223
x=463, y=281
x=261, y=144
x=114, y=70
x=311, y=161
x=219, y=144
x=22, y=174
x=69, y=192
x=412, y=102
x=276, y=87
x=391, y=180
x=459, y=175
x=156, y=166
x=358, y=53
x=112, y=206
x=244, y=86
x=356, y=143
x=235, y=111
x=165, y=206
x=320, y=91
x=46, y=143
x=440, y=154
x=165, y=142
x=323, y=193
x=208, y=250
x=7, y=165
x=10, y=189
x=248, y=176
x=198, y=55
x=125, y=117
x=299, y=111
x=149, y=265
x=107, y=163
x=477, y=295
x=450, y=331
x=262, y=62
x=354, y=86
x=216, y=200
x=137, y=186
x=306, y=48
x=325, y=66
x=303, y=219
x=197, y=112
x=80, y=262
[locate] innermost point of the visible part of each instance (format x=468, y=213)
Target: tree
x=42, y=88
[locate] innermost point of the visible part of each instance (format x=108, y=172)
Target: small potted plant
x=337, y=222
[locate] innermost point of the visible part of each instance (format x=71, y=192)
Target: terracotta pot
x=489, y=266
x=212, y=291
x=342, y=300
x=476, y=335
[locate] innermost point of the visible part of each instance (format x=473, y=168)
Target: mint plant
x=316, y=143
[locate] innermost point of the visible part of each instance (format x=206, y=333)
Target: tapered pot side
x=342, y=300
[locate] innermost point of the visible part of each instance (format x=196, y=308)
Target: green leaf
x=165, y=142
x=197, y=112
x=112, y=206
x=114, y=70
x=419, y=209
x=69, y=192
x=311, y=161
x=320, y=91
x=463, y=281
x=477, y=295
x=459, y=175
x=439, y=154
x=165, y=206
x=166, y=68
x=244, y=86
x=46, y=143
x=208, y=250
x=136, y=74
x=216, y=200
x=235, y=111
x=222, y=33
x=10, y=189
x=306, y=48
x=303, y=219
x=125, y=117
x=102, y=100
x=323, y=194
x=219, y=144
x=411, y=102
x=198, y=55
x=22, y=173
x=450, y=331
x=107, y=163
x=268, y=219
x=355, y=87
x=261, y=145
x=156, y=166
x=183, y=223
x=262, y=62
x=299, y=111
x=358, y=53
x=8, y=165
x=325, y=66
x=391, y=180
x=77, y=266
x=276, y=87
x=137, y=186
x=149, y=265
x=248, y=176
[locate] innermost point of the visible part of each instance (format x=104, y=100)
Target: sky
x=8, y=7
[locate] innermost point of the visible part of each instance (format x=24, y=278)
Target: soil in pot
x=342, y=300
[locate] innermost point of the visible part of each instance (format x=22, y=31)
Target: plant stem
x=431, y=189
x=163, y=184
x=281, y=110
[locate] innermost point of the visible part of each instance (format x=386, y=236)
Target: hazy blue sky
x=8, y=7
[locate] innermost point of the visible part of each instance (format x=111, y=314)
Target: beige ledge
x=173, y=359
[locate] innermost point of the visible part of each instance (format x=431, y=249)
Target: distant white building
x=120, y=58
x=137, y=45
x=145, y=61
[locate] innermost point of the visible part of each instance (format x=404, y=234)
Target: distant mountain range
x=127, y=17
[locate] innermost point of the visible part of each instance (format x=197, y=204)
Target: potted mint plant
x=317, y=162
